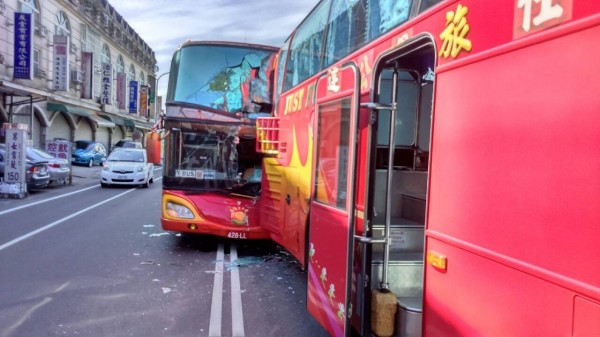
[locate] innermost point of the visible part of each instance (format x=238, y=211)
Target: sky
x=165, y=24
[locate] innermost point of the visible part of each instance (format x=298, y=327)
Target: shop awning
x=101, y=121
x=69, y=108
x=118, y=120
x=142, y=125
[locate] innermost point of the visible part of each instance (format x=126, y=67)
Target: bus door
x=397, y=189
x=331, y=212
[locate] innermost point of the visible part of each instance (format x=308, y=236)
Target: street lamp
x=156, y=107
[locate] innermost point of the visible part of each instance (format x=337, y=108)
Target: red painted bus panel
x=220, y=214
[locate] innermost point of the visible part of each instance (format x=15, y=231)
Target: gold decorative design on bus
x=293, y=103
x=454, y=36
x=239, y=215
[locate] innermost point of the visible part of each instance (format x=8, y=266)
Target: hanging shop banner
x=14, y=167
x=121, y=90
x=106, y=83
x=144, y=100
x=87, y=64
x=61, y=63
x=23, y=46
x=133, y=94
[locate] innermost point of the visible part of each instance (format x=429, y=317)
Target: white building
x=85, y=64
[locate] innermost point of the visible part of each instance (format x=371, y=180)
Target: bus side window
x=347, y=29
x=305, y=49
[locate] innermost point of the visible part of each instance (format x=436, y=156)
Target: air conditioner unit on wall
x=76, y=76
x=42, y=31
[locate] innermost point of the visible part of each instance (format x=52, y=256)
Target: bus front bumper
x=222, y=230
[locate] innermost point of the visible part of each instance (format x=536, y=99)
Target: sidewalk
x=84, y=175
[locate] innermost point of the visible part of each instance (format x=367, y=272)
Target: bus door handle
x=288, y=199
x=368, y=240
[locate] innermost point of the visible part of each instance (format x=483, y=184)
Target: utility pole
x=156, y=107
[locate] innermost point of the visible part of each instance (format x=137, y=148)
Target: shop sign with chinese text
x=61, y=63
x=133, y=94
x=14, y=162
x=23, y=46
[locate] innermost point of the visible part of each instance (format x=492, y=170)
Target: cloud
x=165, y=24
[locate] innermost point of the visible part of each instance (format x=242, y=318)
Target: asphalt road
x=81, y=260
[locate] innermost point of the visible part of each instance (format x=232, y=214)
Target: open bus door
x=331, y=230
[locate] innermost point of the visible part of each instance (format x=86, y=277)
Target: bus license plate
x=237, y=235
x=185, y=173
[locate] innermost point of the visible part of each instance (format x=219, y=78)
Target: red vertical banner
x=144, y=100
x=87, y=67
x=121, y=90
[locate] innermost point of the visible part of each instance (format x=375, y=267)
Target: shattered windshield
x=206, y=156
x=225, y=78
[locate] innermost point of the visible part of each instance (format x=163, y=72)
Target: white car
x=127, y=166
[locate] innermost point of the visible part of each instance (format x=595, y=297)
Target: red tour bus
x=413, y=154
x=212, y=171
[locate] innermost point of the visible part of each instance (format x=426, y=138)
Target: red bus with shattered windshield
x=212, y=172
x=433, y=164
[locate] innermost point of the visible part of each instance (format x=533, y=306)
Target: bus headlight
x=178, y=211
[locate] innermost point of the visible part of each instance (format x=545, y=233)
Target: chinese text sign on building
x=61, y=63
x=23, y=46
x=106, y=83
x=59, y=149
x=87, y=66
x=121, y=90
x=144, y=100
x=14, y=163
x=133, y=87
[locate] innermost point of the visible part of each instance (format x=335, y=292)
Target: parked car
x=87, y=152
x=36, y=171
x=126, y=166
x=57, y=167
x=128, y=143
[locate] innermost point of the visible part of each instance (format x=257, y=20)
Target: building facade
x=89, y=75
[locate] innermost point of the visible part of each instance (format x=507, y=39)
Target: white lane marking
x=214, y=329
x=46, y=200
x=41, y=229
x=237, y=315
x=58, y=197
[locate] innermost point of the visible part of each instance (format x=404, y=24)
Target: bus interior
x=399, y=176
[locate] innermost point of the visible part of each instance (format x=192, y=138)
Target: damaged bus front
x=212, y=172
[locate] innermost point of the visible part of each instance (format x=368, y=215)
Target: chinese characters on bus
x=535, y=15
x=454, y=36
x=333, y=80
